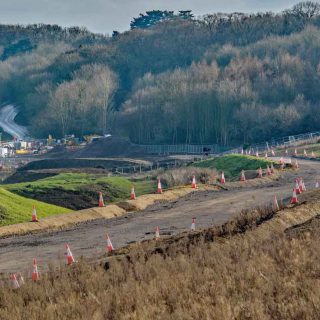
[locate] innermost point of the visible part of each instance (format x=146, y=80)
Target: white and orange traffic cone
x=132, y=194
x=317, y=184
x=272, y=168
x=194, y=184
x=193, y=224
x=275, y=204
x=286, y=152
x=305, y=154
x=101, y=202
x=301, y=184
x=242, y=152
x=14, y=281
x=157, y=233
x=304, y=188
x=266, y=156
x=313, y=155
x=281, y=161
x=273, y=153
x=295, y=152
x=257, y=154
x=242, y=176
x=296, y=165
x=297, y=186
x=260, y=173
x=159, y=189
x=35, y=273
x=109, y=244
x=223, y=179
x=70, y=259
x=34, y=214
x=268, y=171
x=294, y=197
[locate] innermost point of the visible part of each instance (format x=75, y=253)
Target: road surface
x=87, y=239
x=7, y=116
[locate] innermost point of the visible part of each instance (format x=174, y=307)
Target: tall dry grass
x=183, y=176
x=219, y=273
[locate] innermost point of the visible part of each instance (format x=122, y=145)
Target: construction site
x=84, y=221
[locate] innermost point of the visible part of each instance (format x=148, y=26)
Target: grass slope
x=233, y=164
x=79, y=190
x=15, y=209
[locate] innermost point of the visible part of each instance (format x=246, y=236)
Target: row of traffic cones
x=273, y=154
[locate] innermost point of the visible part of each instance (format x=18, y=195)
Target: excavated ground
x=208, y=206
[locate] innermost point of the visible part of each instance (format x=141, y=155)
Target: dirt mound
x=110, y=147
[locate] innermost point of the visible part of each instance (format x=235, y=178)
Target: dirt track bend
x=87, y=239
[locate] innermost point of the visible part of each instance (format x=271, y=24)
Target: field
x=233, y=164
x=257, y=266
x=15, y=209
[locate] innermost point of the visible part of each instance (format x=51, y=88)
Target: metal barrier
x=289, y=141
x=181, y=149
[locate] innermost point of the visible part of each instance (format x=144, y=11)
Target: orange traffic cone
x=297, y=187
x=301, y=184
x=272, y=168
x=268, y=171
x=294, y=197
x=157, y=233
x=34, y=214
x=101, y=202
x=304, y=188
x=14, y=281
x=70, y=259
x=222, y=180
x=194, y=184
x=159, y=189
x=109, y=244
x=242, y=176
x=193, y=224
x=275, y=204
x=35, y=272
x=260, y=173
x=132, y=194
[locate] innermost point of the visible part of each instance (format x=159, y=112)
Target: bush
x=183, y=176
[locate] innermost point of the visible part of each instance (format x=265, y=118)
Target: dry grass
x=238, y=271
x=183, y=176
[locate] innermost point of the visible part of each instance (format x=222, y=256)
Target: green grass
x=72, y=188
x=233, y=164
x=15, y=209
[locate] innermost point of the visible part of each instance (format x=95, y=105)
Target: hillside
x=220, y=78
x=15, y=209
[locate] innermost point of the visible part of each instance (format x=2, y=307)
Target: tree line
x=173, y=78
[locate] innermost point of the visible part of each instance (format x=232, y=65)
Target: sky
x=104, y=16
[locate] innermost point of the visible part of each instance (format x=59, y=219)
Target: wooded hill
x=221, y=78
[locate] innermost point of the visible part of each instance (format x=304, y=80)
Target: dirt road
x=209, y=207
